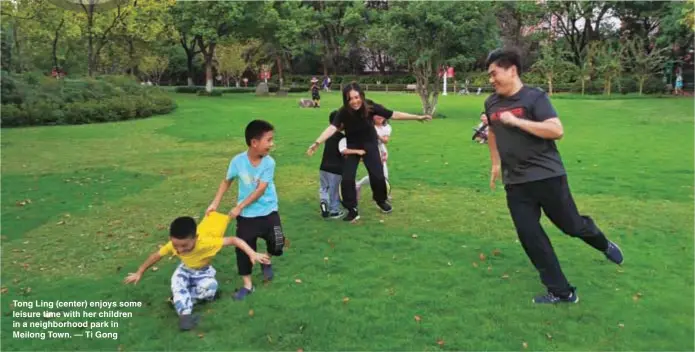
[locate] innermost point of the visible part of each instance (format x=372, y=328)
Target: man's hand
x=494, y=175
x=424, y=118
x=235, y=212
x=312, y=149
x=132, y=278
x=508, y=118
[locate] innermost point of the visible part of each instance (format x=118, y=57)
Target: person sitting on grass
x=194, y=279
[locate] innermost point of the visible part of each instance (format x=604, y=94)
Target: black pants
x=372, y=160
x=525, y=202
x=250, y=229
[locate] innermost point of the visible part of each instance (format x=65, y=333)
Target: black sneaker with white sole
x=352, y=215
x=385, y=206
x=336, y=215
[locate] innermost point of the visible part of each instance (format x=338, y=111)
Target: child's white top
x=342, y=145
x=383, y=131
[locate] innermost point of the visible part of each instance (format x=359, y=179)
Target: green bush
x=214, y=93
x=32, y=100
x=188, y=89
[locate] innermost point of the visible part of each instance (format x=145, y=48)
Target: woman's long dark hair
x=366, y=105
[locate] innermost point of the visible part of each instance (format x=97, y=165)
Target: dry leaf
x=61, y=222
x=636, y=297
x=201, y=335
x=550, y=337
x=440, y=342
x=3, y=290
x=524, y=344
x=489, y=268
x=414, y=236
x=381, y=221
x=15, y=281
x=270, y=339
x=448, y=263
x=298, y=281
x=325, y=259
x=161, y=227
x=417, y=318
x=27, y=290
x=251, y=313
x=346, y=299
x=482, y=256
x=621, y=325
x=475, y=264
x=496, y=252
x=154, y=268
x=300, y=350
x=505, y=276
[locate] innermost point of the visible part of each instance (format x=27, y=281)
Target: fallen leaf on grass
x=300, y=350
x=448, y=263
x=636, y=297
x=475, y=265
x=154, y=268
x=550, y=337
x=298, y=281
x=505, y=276
x=325, y=259
x=201, y=335
x=417, y=318
x=251, y=313
x=3, y=290
x=489, y=268
x=496, y=252
x=414, y=236
x=27, y=290
x=440, y=342
x=482, y=257
x=524, y=345
x=270, y=339
x=621, y=325
x=346, y=299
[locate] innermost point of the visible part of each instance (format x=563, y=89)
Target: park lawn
x=97, y=200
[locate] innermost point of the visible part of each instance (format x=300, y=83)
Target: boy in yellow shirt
x=194, y=279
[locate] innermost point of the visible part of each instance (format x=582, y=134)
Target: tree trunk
x=583, y=85
x=641, y=84
x=89, y=9
x=208, y=74
x=237, y=83
x=190, y=81
x=54, y=51
x=278, y=62
x=15, y=36
x=550, y=84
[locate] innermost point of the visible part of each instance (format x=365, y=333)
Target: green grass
x=102, y=197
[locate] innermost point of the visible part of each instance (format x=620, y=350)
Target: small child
x=383, y=132
x=196, y=246
x=257, y=205
x=315, y=96
x=331, y=174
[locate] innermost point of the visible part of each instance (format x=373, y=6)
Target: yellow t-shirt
x=210, y=236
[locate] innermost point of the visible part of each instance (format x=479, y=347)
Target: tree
x=579, y=23
x=644, y=63
x=340, y=26
x=213, y=22
x=230, y=61
x=552, y=63
x=609, y=65
x=587, y=67
x=513, y=18
x=427, y=36
x=154, y=67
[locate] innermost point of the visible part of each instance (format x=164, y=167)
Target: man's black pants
x=553, y=196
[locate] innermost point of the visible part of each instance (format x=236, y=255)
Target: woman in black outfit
x=356, y=117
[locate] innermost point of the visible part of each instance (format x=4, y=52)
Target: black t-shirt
x=332, y=161
x=358, y=129
x=314, y=91
x=524, y=157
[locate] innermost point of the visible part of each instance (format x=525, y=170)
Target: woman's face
x=354, y=100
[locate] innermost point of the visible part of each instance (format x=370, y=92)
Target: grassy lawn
x=98, y=199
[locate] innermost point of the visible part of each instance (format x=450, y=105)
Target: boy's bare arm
x=151, y=260
x=241, y=244
x=262, y=186
x=349, y=151
x=224, y=186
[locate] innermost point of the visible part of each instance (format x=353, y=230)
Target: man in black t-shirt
x=523, y=129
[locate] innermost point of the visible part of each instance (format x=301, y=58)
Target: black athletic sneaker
x=385, y=206
x=550, y=298
x=352, y=215
x=324, y=210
